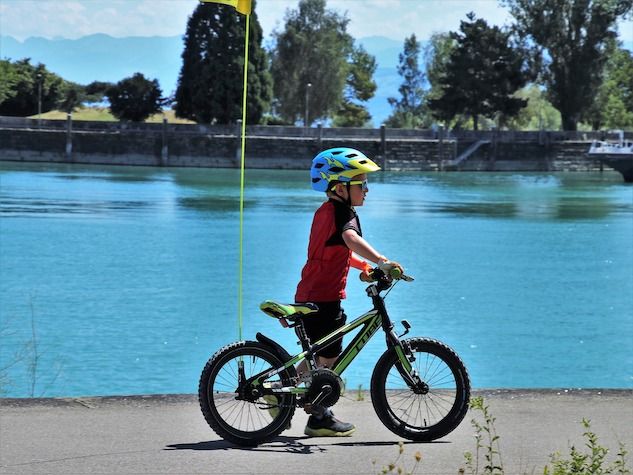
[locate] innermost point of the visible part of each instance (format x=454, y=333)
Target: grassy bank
x=103, y=114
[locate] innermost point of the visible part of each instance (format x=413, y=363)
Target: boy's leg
x=322, y=422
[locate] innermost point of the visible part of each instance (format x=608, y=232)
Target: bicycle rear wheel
x=244, y=420
x=421, y=415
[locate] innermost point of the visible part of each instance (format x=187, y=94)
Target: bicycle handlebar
x=394, y=274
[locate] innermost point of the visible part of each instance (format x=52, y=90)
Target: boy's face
x=357, y=190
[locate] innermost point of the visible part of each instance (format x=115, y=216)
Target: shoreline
x=135, y=399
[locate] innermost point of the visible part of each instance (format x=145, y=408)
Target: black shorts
x=330, y=317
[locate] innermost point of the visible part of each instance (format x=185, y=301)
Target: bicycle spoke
x=422, y=410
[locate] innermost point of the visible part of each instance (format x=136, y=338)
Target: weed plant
x=590, y=462
x=401, y=465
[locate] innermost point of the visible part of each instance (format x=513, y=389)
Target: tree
x=360, y=87
x=575, y=36
x=72, y=95
x=437, y=54
x=482, y=74
x=313, y=48
x=9, y=80
x=27, y=87
x=210, y=85
x=135, y=98
x=409, y=110
x=539, y=114
x=96, y=91
x=613, y=105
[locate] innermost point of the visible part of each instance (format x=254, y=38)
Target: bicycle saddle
x=287, y=310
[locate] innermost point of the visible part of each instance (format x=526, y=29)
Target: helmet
x=339, y=165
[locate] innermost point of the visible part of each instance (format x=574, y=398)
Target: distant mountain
x=104, y=58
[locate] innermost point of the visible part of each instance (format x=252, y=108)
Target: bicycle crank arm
x=326, y=391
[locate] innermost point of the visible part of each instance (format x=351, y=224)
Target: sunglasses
x=363, y=183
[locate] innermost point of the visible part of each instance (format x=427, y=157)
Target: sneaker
x=328, y=426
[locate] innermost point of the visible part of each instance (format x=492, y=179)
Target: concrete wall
x=179, y=145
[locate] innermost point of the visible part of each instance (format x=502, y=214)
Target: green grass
x=103, y=114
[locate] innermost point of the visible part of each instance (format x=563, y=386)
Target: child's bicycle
x=249, y=390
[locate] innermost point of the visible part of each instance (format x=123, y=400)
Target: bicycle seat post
x=304, y=340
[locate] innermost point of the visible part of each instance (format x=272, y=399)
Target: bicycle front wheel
x=421, y=415
x=232, y=416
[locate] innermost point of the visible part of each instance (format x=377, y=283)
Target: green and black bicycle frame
x=256, y=386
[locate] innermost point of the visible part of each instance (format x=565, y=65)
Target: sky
x=395, y=19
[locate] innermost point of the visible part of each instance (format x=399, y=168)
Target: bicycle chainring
x=321, y=378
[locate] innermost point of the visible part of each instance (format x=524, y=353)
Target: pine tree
x=408, y=111
x=481, y=76
x=360, y=87
x=211, y=78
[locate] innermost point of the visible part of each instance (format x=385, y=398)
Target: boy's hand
x=365, y=276
x=387, y=266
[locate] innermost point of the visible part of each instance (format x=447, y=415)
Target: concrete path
x=168, y=435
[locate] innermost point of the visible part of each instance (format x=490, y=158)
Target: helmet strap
x=348, y=200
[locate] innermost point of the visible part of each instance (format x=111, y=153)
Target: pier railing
x=318, y=132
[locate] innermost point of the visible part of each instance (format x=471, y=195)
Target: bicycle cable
x=385, y=296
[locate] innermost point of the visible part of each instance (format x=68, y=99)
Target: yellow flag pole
x=245, y=8
x=239, y=292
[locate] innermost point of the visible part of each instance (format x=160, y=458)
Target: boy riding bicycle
x=335, y=235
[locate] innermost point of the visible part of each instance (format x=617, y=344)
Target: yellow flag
x=242, y=6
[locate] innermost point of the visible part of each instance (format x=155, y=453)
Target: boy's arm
x=361, y=247
x=357, y=244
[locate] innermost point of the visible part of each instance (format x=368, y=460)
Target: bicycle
x=249, y=390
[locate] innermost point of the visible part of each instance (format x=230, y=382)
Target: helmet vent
x=350, y=155
x=316, y=180
x=337, y=152
x=318, y=165
x=362, y=162
x=336, y=169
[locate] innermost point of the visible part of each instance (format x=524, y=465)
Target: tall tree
x=135, y=98
x=360, y=87
x=408, y=111
x=437, y=54
x=575, y=36
x=29, y=86
x=312, y=49
x=483, y=73
x=613, y=104
x=210, y=84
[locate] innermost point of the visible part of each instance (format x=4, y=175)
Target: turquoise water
x=128, y=276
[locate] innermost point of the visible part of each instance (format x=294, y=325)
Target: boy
x=342, y=174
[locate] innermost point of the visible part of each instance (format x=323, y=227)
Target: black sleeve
x=344, y=218
x=352, y=224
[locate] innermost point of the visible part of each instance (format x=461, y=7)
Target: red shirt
x=324, y=276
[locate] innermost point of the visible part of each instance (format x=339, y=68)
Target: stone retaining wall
x=219, y=146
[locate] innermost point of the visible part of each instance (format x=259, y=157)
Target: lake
x=123, y=280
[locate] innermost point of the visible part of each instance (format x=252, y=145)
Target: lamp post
x=39, y=100
x=305, y=118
